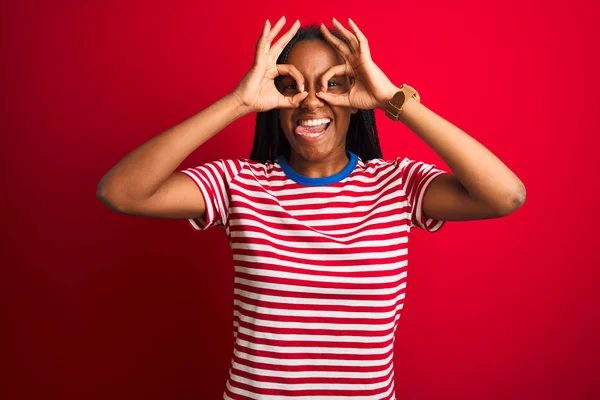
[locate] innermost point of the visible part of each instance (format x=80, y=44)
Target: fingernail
x=302, y=87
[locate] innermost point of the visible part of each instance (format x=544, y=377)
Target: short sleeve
x=213, y=180
x=416, y=178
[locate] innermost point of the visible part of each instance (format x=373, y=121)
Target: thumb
x=334, y=99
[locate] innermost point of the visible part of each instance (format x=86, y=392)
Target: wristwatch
x=394, y=107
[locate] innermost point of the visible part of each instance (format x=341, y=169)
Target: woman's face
x=312, y=58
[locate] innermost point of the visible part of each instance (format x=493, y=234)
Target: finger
x=340, y=46
x=279, y=45
x=335, y=99
x=336, y=70
x=349, y=36
x=289, y=69
x=275, y=31
x=292, y=102
x=260, y=45
x=362, y=39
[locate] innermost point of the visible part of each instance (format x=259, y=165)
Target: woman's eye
x=290, y=86
x=334, y=83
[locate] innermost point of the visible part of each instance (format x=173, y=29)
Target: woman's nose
x=311, y=101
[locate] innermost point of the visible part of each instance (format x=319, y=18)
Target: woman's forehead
x=313, y=56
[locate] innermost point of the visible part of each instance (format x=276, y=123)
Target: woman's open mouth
x=312, y=130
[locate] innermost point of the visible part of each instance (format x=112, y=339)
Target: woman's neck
x=330, y=165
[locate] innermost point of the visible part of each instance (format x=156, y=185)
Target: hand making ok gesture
x=370, y=87
x=257, y=90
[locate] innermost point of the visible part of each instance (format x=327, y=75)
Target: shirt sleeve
x=213, y=180
x=416, y=178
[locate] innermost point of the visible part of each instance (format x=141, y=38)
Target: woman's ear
x=354, y=110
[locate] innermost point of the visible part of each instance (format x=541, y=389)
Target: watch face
x=398, y=99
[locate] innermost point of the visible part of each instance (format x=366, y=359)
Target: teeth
x=314, y=122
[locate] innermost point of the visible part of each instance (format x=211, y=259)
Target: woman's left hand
x=370, y=87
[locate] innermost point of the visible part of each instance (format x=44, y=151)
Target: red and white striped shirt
x=320, y=272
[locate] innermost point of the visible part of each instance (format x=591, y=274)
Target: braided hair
x=270, y=141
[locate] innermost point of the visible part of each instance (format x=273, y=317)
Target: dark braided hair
x=270, y=141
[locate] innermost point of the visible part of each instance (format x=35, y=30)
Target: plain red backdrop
x=99, y=305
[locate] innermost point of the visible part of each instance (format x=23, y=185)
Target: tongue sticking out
x=310, y=129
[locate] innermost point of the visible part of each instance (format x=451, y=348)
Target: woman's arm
x=144, y=182
x=129, y=185
x=481, y=185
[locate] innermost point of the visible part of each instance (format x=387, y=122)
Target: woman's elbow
x=110, y=197
x=516, y=199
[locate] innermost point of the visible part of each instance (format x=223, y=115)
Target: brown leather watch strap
x=393, y=109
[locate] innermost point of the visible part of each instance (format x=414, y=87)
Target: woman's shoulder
x=256, y=167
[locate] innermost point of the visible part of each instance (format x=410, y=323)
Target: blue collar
x=326, y=180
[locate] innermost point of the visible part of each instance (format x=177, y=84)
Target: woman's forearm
x=141, y=173
x=484, y=176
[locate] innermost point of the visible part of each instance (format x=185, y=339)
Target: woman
x=318, y=221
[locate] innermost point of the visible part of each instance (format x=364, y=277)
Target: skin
x=327, y=156
x=145, y=183
x=480, y=186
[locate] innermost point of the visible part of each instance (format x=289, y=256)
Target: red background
x=99, y=305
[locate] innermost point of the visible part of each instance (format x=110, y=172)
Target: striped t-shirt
x=320, y=272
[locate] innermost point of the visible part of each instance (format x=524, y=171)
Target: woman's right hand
x=257, y=91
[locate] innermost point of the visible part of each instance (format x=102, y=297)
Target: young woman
x=318, y=221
